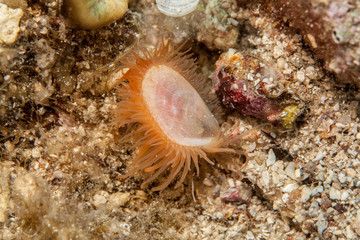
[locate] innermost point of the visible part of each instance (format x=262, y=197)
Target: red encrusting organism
x=247, y=85
x=242, y=83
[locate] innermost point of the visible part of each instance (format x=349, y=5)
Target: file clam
x=173, y=127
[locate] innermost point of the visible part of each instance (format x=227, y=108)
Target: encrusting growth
x=173, y=127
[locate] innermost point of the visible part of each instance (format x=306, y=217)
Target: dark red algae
x=245, y=84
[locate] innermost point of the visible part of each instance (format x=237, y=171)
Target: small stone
x=46, y=56
x=208, y=182
x=314, y=209
x=276, y=179
x=323, y=99
x=250, y=236
x=356, y=222
x=233, y=21
x=315, y=205
x=318, y=189
x=322, y=224
x=4, y=199
x=9, y=23
x=321, y=176
x=281, y=63
x=140, y=193
x=330, y=211
x=35, y=152
x=353, y=153
x=250, y=147
x=9, y=147
x=271, y=158
x=335, y=194
x=344, y=195
x=119, y=199
x=320, y=156
x=311, y=72
x=42, y=93
x=265, y=179
x=278, y=51
x=290, y=169
x=300, y=75
x=351, y=172
x=298, y=173
x=305, y=194
x=335, y=184
x=290, y=187
x=340, y=125
x=350, y=234
x=312, y=40
x=299, y=218
x=357, y=136
x=342, y=177
x=231, y=182
x=99, y=200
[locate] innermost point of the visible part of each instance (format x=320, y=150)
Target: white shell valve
x=176, y=8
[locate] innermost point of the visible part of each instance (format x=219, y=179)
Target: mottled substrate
x=330, y=27
x=60, y=157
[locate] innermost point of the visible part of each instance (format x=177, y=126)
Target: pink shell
x=177, y=108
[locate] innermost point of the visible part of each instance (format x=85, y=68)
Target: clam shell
x=176, y=8
x=177, y=108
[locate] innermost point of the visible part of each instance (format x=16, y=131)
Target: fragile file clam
x=173, y=127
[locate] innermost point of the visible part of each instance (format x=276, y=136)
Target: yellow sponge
x=91, y=14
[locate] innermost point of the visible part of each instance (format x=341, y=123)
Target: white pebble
x=300, y=75
x=119, y=199
x=298, y=173
x=35, y=153
x=9, y=22
x=349, y=233
x=335, y=194
x=351, y=172
x=290, y=169
x=278, y=51
x=99, y=200
x=250, y=236
x=318, y=189
x=305, y=194
x=231, y=182
x=320, y=156
x=281, y=63
x=323, y=99
x=311, y=72
x=344, y=195
x=322, y=224
x=290, y=187
x=208, y=182
x=265, y=179
x=271, y=158
x=342, y=177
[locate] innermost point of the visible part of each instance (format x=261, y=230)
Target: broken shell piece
x=245, y=84
x=9, y=22
x=91, y=14
x=271, y=158
x=176, y=8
